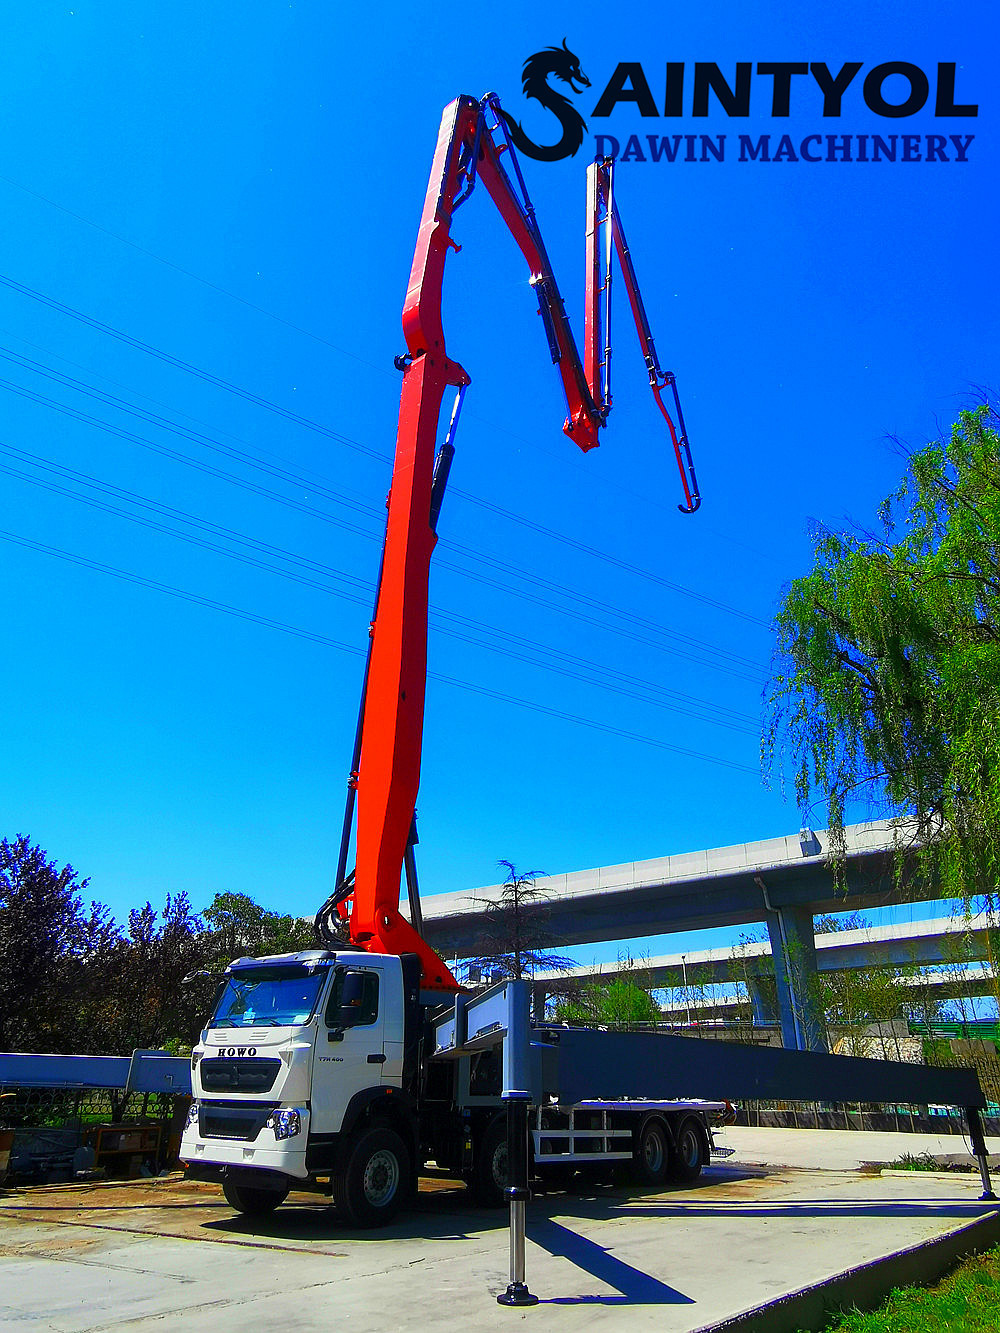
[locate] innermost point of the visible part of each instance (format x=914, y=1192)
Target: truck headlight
x=285, y=1124
x=192, y=1116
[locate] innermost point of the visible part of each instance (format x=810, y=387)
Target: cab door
x=350, y=1049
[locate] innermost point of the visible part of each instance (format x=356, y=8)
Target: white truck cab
x=299, y=1049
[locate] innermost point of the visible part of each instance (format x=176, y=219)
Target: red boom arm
x=387, y=773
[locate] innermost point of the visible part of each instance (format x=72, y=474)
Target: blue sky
x=238, y=188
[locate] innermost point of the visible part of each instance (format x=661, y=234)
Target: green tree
x=48, y=938
x=515, y=941
x=619, y=1002
x=146, y=1003
x=853, y=1000
x=887, y=664
x=240, y=927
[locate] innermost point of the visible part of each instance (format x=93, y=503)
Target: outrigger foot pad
x=517, y=1294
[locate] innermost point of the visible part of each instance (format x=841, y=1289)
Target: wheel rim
x=654, y=1152
x=689, y=1147
x=381, y=1178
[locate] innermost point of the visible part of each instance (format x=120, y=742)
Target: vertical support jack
x=979, y=1150
x=518, y=1194
x=516, y=1084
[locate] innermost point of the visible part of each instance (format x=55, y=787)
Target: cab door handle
x=376, y=1059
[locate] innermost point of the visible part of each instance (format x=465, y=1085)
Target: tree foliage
x=146, y=1002
x=887, y=663
x=47, y=936
x=74, y=981
x=241, y=927
x=515, y=941
x=619, y=1002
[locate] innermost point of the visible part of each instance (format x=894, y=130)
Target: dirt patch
x=187, y=1210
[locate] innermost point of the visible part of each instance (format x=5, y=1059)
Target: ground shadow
x=446, y=1212
x=633, y=1285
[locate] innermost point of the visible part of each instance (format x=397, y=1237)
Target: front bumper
x=264, y=1152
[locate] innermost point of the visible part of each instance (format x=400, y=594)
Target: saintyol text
x=893, y=89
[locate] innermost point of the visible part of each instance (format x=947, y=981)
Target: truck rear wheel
x=489, y=1176
x=253, y=1200
x=689, y=1151
x=375, y=1179
x=651, y=1155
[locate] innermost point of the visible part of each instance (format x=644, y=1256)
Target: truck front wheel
x=251, y=1199
x=689, y=1152
x=374, y=1181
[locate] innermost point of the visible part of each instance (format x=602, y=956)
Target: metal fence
x=61, y=1134
x=54, y=1108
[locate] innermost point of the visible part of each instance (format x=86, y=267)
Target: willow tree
x=886, y=677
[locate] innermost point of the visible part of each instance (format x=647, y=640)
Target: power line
x=324, y=640
x=207, y=468
x=318, y=338
x=178, y=363
x=309, y=424
x=463, y=627
x=147, y=398
x=175, y=428
x=195, y=277
x=284, y=474
x=609, y=559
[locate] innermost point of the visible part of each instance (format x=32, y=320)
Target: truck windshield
x=272, y=997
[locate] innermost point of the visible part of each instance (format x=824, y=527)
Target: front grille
x=234, y=1075
x=232, y=1122
x=221, y=1127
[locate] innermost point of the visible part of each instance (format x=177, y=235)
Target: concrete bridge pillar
x=793, y=948
x=762, y=1000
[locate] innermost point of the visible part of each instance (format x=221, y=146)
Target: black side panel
x=615, y=1065
x=204, y=1171
x=258, y=1178
x=322, y=1152
x=412, y=1021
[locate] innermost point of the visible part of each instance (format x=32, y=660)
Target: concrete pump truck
x=345, y=1068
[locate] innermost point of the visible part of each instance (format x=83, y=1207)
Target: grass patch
x=908, y=1161
x=966, y=1301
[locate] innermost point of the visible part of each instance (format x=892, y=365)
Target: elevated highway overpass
x=937, y=986
x=915, y=943
x=782, y=882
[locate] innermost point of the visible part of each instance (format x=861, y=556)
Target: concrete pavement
x=151, y=1254
x=839, y=1150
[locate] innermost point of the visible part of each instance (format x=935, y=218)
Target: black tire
x=252, y=1200
x=651, y=1155
x=489, y=1175
x=689, y=1151
x=375, y=1179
